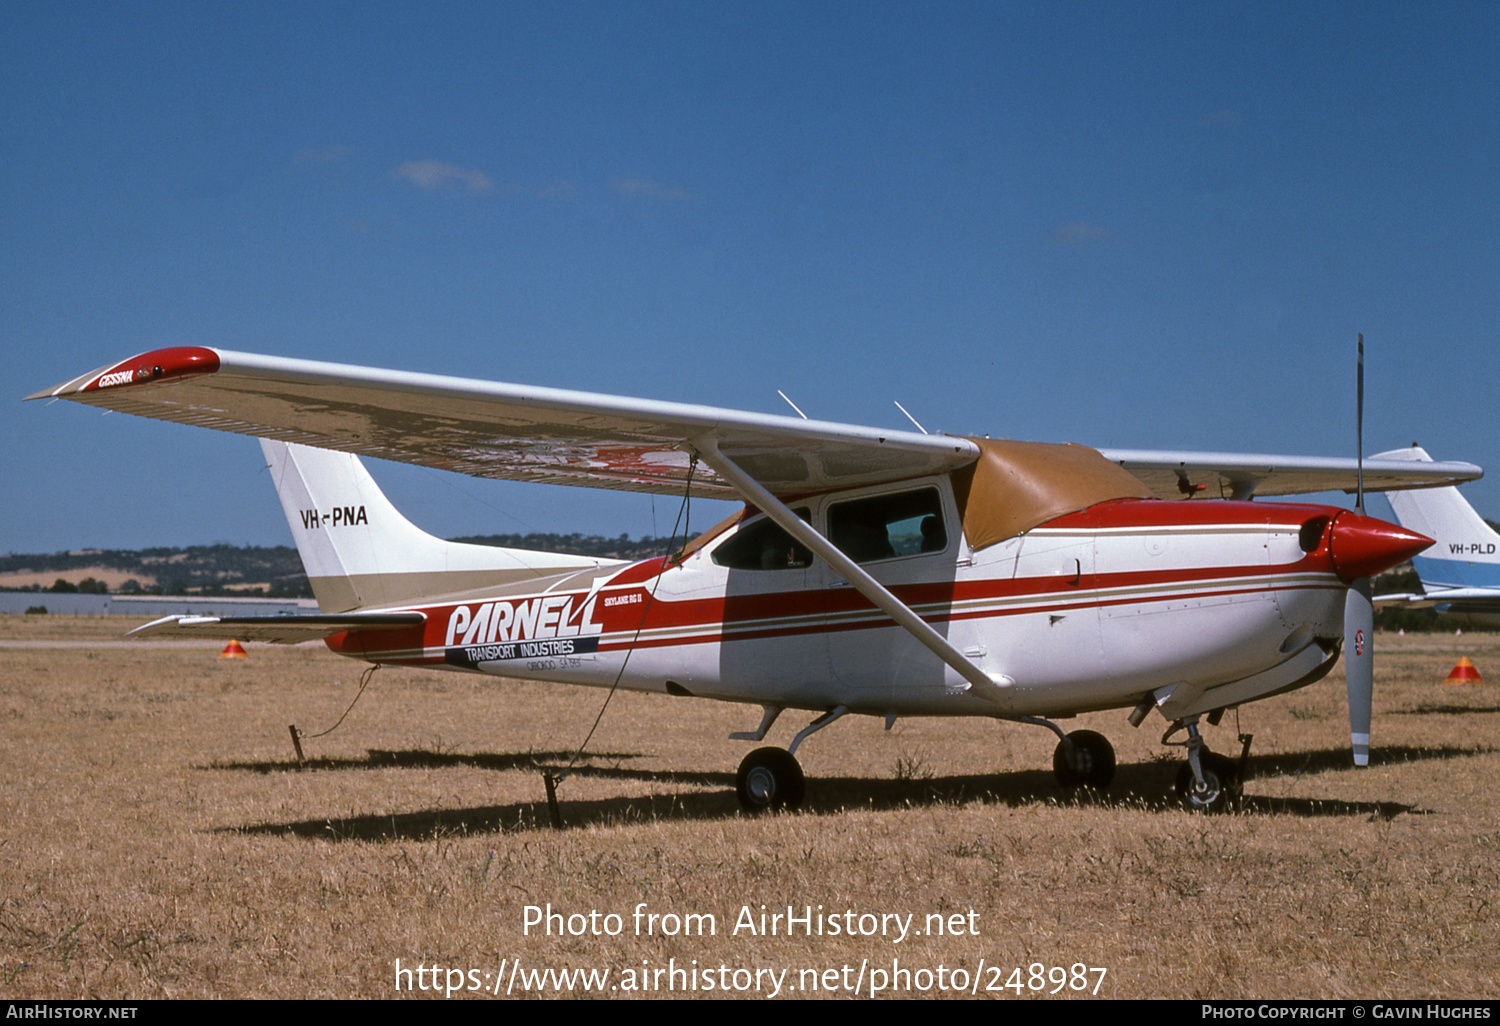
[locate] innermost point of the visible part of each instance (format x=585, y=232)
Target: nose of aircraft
x=1363, y=546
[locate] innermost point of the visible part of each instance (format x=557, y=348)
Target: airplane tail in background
x=361, y=553
x=1467, y=550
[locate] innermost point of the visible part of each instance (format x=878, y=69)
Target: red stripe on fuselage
x=1158, y=513
x=724, y=629
x=698, y=625
x=735, y=617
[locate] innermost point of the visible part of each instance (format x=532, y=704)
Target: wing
x=514, y=432
x=1179, y=475
x=522, y=433
x=1436, y=596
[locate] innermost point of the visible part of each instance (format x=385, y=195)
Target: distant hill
x=576, y=544
x=272, y=571
x=194, y=570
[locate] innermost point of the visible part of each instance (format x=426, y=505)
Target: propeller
x=1359, y=607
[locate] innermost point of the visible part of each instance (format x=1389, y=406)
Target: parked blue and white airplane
x=1461, y=572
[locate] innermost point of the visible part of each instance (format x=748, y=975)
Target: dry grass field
x=160, y=839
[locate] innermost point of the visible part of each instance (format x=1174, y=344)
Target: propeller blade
x=1359, y=427
x=1359, y=610
x=1359, y=664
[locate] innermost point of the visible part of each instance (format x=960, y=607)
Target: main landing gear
x=770, y=778
x=1084, y=758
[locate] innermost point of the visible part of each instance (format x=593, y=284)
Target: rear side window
x=887, y=526
x=763, y=545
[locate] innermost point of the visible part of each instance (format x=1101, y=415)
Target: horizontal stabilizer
x=279, y=630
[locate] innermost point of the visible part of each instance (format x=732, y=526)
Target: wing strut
x=983, y=684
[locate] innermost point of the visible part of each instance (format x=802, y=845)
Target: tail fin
x=361, y=553
x=1467, y=550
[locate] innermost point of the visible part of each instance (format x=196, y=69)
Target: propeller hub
x=1363, y=546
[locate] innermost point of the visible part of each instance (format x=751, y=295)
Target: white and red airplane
x=886, y=573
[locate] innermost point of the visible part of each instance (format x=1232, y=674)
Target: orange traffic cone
x=233, y=650
x=1464, y=673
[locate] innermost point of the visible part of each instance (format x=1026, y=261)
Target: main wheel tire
x=768, y=779
x=1093, y=762
x=1222, y=786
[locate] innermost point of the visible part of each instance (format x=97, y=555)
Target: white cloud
x=1081, y=233
x=323, y=154
x=1224, y=118
x=646, y=187
x=433, y=174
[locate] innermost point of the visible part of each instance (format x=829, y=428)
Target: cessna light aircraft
x=1460, y=574
x=885, y=573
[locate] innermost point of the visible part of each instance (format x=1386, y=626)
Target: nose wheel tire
x=1221, y=787
x=768, y=779
x=1090, y=763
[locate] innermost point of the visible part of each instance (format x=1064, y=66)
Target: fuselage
x=1221, y=601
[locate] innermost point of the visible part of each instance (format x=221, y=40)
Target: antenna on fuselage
x=791, y=404
x=910, y=417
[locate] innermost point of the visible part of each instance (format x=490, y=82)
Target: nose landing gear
x=1207, y=782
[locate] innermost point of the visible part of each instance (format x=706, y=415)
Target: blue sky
x=1126, y=224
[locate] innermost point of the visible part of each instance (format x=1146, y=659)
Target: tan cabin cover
x=1015, y=486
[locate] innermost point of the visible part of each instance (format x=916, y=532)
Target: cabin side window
x=889, y=526
x=764, y=545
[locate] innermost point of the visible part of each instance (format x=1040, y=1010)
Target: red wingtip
x=157, y=365
x=1363, y=546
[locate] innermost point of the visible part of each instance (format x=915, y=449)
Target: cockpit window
x=763, y=545
x=887, y=526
